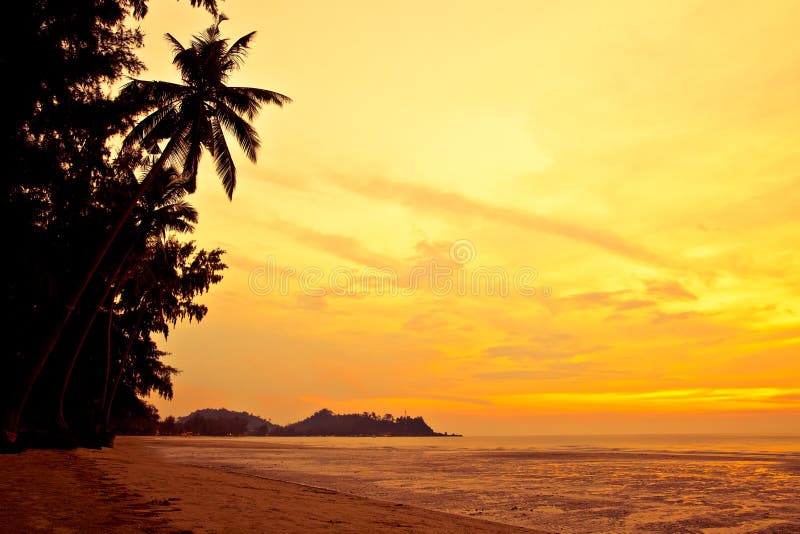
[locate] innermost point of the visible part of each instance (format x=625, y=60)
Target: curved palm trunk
x=13, y=414
x=113, y=393
x=107, y=371
x=134, y=336
x=61, y=421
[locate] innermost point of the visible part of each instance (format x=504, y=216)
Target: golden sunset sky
x=642, y=157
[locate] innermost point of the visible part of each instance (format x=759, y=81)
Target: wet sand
x=725, y=486
x=131, y=489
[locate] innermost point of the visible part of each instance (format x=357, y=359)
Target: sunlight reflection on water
x=564, y=484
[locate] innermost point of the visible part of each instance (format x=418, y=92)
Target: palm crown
x=193, y=115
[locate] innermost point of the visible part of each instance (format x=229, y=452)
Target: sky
x=526, y=218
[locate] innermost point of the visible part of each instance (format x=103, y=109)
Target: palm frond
x=234, y=57
x=177, y=47
x=209, y=5
x=185, y=212
x=165, y=128
x=226, y=169
x=178, y=216
x=175, y=191
x=264, y=96
x=188, y=64
x=144, y=94
x=240, y=102
x=245, y=134
x=141, y=133
x=139, y=8
x=214, y=70
x=177, y=147
x=248, y=100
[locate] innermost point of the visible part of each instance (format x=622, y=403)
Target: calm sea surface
x=676, y=483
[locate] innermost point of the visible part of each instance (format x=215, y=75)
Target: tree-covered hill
x=327, y=423
x=222, y=422
x=218, y=422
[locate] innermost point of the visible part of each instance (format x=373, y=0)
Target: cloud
x=550, y=371
x=551, y=337
x=669, y=289
x=518, y=374
x=425, y=322
x=598, y=299
x=619, y=301
x=707, y=398
x=635, y=304
x=539, y=351
x=791, y=333
x=527, y=352
x=786, y=398
x=310, y=303
x=664, y=317
x=345, y=400
x=593, y=299
x=339, y=245
x=426, y=198
x=438, y=251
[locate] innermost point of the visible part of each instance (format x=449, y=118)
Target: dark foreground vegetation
x=222, y=422
x=95, y=184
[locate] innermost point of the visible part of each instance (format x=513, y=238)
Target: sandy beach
x=130, y=489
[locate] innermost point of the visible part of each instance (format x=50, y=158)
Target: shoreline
x=130, y=488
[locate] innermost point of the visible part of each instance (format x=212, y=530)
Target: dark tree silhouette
x=162, y=294
x=65, y=195
x=163, y=209
x=190, y=117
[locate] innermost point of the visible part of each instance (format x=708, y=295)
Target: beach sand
x=131, y=489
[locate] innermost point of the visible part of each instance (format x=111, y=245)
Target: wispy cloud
x=635, y=304
x=539, y=351
x=431, y=200
x=669, y=289
x=341, y=246
x=678, y=399
x=664, y=317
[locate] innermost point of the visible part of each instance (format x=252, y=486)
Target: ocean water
x=676, y=483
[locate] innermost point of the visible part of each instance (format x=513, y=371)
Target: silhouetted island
x=217, y=422
x=222, y=422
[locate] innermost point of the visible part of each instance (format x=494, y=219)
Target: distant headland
x=222, y=422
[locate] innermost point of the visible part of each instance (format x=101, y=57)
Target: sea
x=573, y=484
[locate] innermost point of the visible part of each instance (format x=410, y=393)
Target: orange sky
x=641, y=157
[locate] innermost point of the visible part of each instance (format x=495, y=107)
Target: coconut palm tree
x=193, y=115
x=163, y=209
x=188, y=118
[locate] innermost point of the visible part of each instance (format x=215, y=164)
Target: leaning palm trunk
x=107, y=370
x=122, y=362
x=10, y=424
x=112, y=394
x=61, y=421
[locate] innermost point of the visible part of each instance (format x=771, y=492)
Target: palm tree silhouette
x=193, y=115
x=161, y=292
x=190, y=117
x=163, y=209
